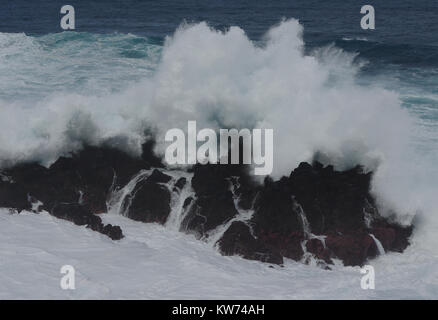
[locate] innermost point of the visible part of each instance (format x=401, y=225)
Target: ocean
x=304, y=68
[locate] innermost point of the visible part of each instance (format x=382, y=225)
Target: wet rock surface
x=320, y=212
x=214, y=203
x=81, y=215
x=238, y=240
x=150, y=199
x=79, y=184
x=315, y=212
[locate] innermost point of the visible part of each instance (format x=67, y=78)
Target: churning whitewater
x=58, y=94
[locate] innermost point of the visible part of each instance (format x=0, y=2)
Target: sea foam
x=221, y=79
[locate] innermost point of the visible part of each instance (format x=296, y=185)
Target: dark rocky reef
x=81, y=215
x=239, y=240
x=214, y=203
x=320, y=212
x=316, y=213
x=150, y=200
x=74, y=188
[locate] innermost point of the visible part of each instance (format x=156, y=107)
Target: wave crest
x=223, y=79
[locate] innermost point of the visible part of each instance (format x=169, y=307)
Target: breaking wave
x=61, y=91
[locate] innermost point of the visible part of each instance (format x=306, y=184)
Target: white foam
x=378, y=244
x=153, y=262
x=223, y=79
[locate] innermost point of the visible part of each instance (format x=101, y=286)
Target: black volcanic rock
x=75, y=213
x=187, y=202
x=214, y=204
x=180, y=183
x=85, y=178
x=291, y=216
x=209, y=212
x=246, y=190
x=114, y=232
x=149, y=201
x=319, y=250
x=353, y=248
x=238, y=240
x=91, y=172
x=276, y=221
x=392, y=236
x=98, y=169
x=13, y=196
x=81, y=215
x=210, y=179
x=287, y=245
x=332, y=200
x=275, y=209
x=159, y=177
x=334, y=205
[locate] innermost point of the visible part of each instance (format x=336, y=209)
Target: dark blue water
x=406, y=31
x=405, y=39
